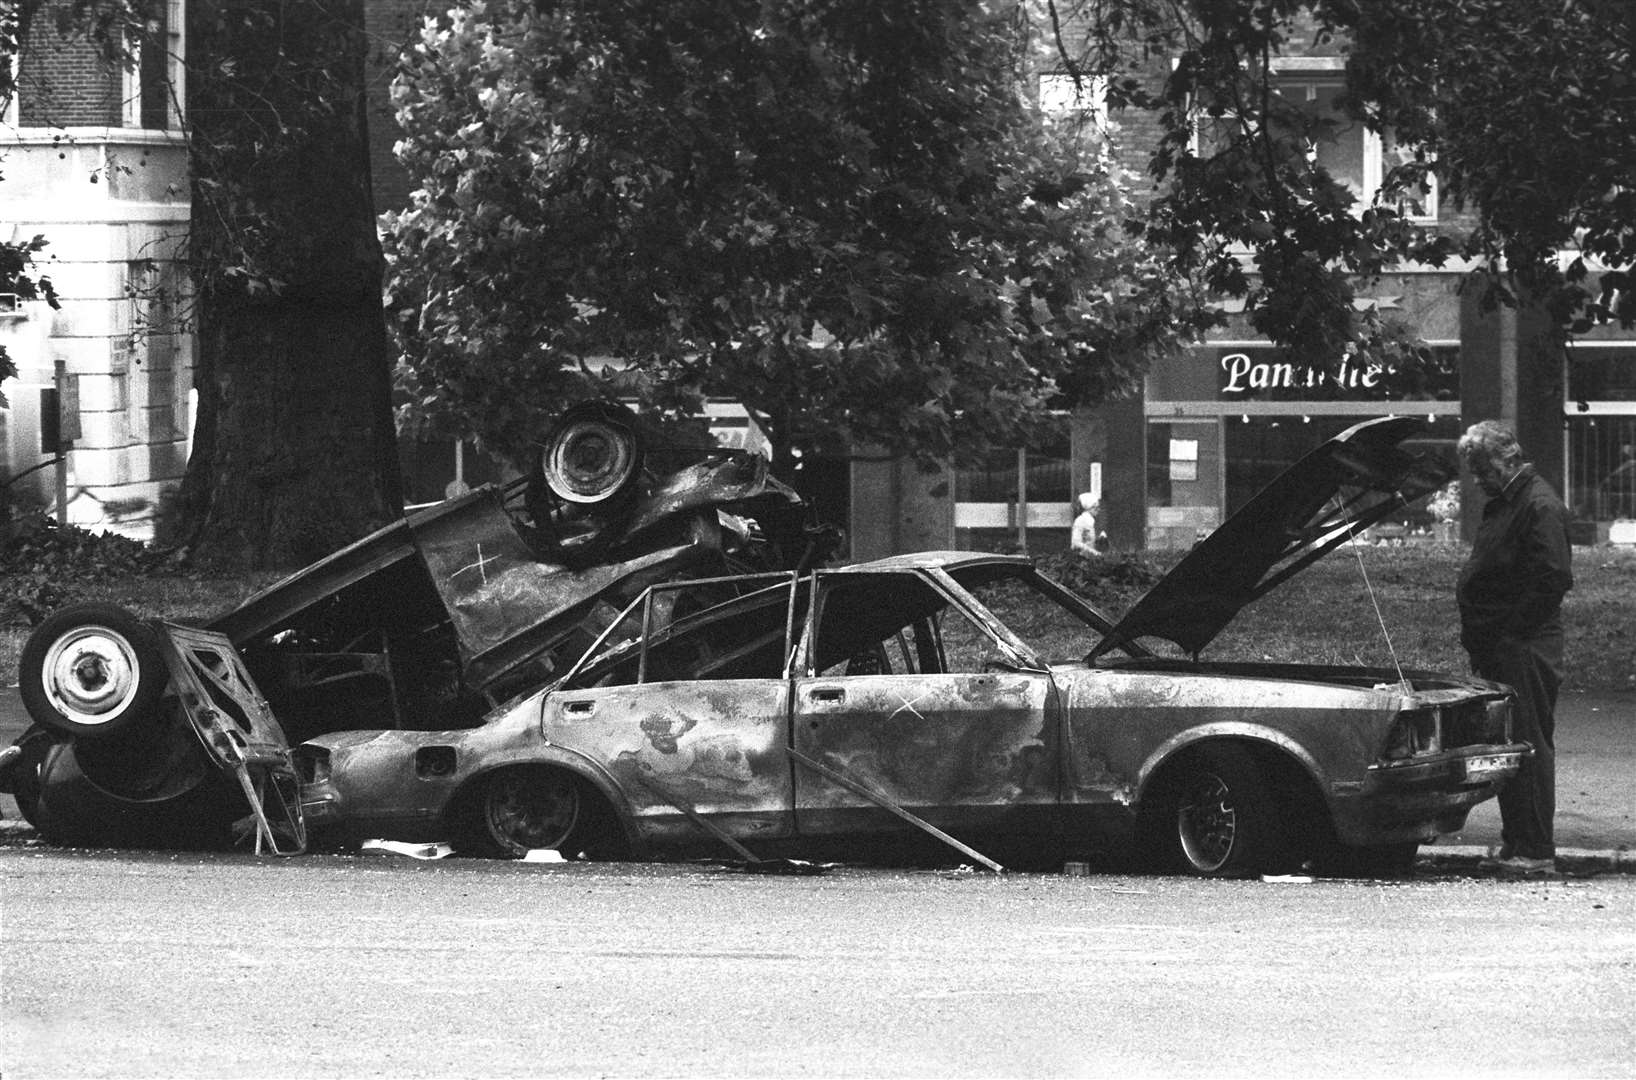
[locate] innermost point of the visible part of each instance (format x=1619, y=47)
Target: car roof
x=936, y=560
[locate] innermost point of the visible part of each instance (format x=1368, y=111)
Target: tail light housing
x=1414, y=731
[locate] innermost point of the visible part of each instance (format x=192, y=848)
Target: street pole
x=1022, y=500
x=60, y=381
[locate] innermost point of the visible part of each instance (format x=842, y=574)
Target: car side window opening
x=909, y=650
x=1054, y=625
x=897, y=624
x=741, y=638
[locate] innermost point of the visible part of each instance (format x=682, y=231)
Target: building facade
x=95, y=161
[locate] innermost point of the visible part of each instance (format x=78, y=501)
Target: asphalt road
x=140, y=964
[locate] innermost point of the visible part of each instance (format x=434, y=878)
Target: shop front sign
x=1264, y=374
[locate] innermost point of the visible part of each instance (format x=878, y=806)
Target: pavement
x=1595, y=789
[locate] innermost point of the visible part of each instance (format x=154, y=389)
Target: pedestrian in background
x=1083, y=536
x=1510, y=593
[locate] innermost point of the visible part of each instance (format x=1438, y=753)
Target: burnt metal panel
x=277, y=604
x=239, y=733
x=1122, y=723
x=715, y=745
x=949, y=746
x=1327, y=497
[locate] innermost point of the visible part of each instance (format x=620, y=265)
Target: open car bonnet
x=1326, y=498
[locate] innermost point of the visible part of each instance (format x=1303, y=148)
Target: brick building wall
x=63, y=83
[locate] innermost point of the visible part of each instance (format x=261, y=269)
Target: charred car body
x=156, y=734
x=960, y=695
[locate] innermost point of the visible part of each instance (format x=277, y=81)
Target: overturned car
x=156, y=734
x=954, y=695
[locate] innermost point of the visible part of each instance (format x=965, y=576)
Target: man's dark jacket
x=1521, y=564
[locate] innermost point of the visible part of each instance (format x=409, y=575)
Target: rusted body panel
x=965, y=751
x=716, y=747
x=1123, y=724
x=1123, y=729
x=1024, y=753
x=398, y=784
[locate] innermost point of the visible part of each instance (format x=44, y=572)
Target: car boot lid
x=1326, y=498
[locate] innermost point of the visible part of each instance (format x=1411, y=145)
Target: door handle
x=579, y=708
x=829, y=693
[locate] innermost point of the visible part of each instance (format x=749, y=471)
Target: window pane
x=1338, y=140
x=1601, y=374
x=1419, y=201
x=1602, y=467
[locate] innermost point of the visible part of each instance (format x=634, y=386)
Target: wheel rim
x=91, y=674
x=1207, y=823
x=528, y=812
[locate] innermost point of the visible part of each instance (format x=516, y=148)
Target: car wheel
x=91, y=670
x=1216, y=817
x=523, y=810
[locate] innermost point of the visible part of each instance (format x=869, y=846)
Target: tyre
x=91, y=670
x=1213, y=816
x=523, y=810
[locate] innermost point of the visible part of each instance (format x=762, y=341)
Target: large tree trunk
x=294, y=452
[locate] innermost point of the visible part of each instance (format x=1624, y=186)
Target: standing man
x=1510, y=595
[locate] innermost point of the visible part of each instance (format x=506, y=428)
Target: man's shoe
x=1522, y=864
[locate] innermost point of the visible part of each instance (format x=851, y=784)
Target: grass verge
x=1327, y=614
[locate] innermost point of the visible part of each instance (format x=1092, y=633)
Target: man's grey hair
x=1493, y=441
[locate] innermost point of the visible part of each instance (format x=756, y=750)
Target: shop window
x=1602, y=373
x=1259, y=448
x=1600, y=418
x=1183, y=481
x=1602, y=467
x=1016, y=499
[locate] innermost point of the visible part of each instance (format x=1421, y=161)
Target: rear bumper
x=1419, y=798
x=1451, y=769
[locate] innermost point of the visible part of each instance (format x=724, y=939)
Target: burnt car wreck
x=609, y=682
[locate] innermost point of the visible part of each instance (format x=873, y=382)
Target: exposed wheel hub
x=1207, y=824
x=91, y=675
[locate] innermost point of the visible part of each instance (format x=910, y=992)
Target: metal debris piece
x=401, y=847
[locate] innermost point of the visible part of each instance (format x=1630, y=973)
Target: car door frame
x=942, y=751
x=666, y=744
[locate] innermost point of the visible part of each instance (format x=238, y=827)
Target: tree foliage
x=844, y=214
x=1525, y=113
